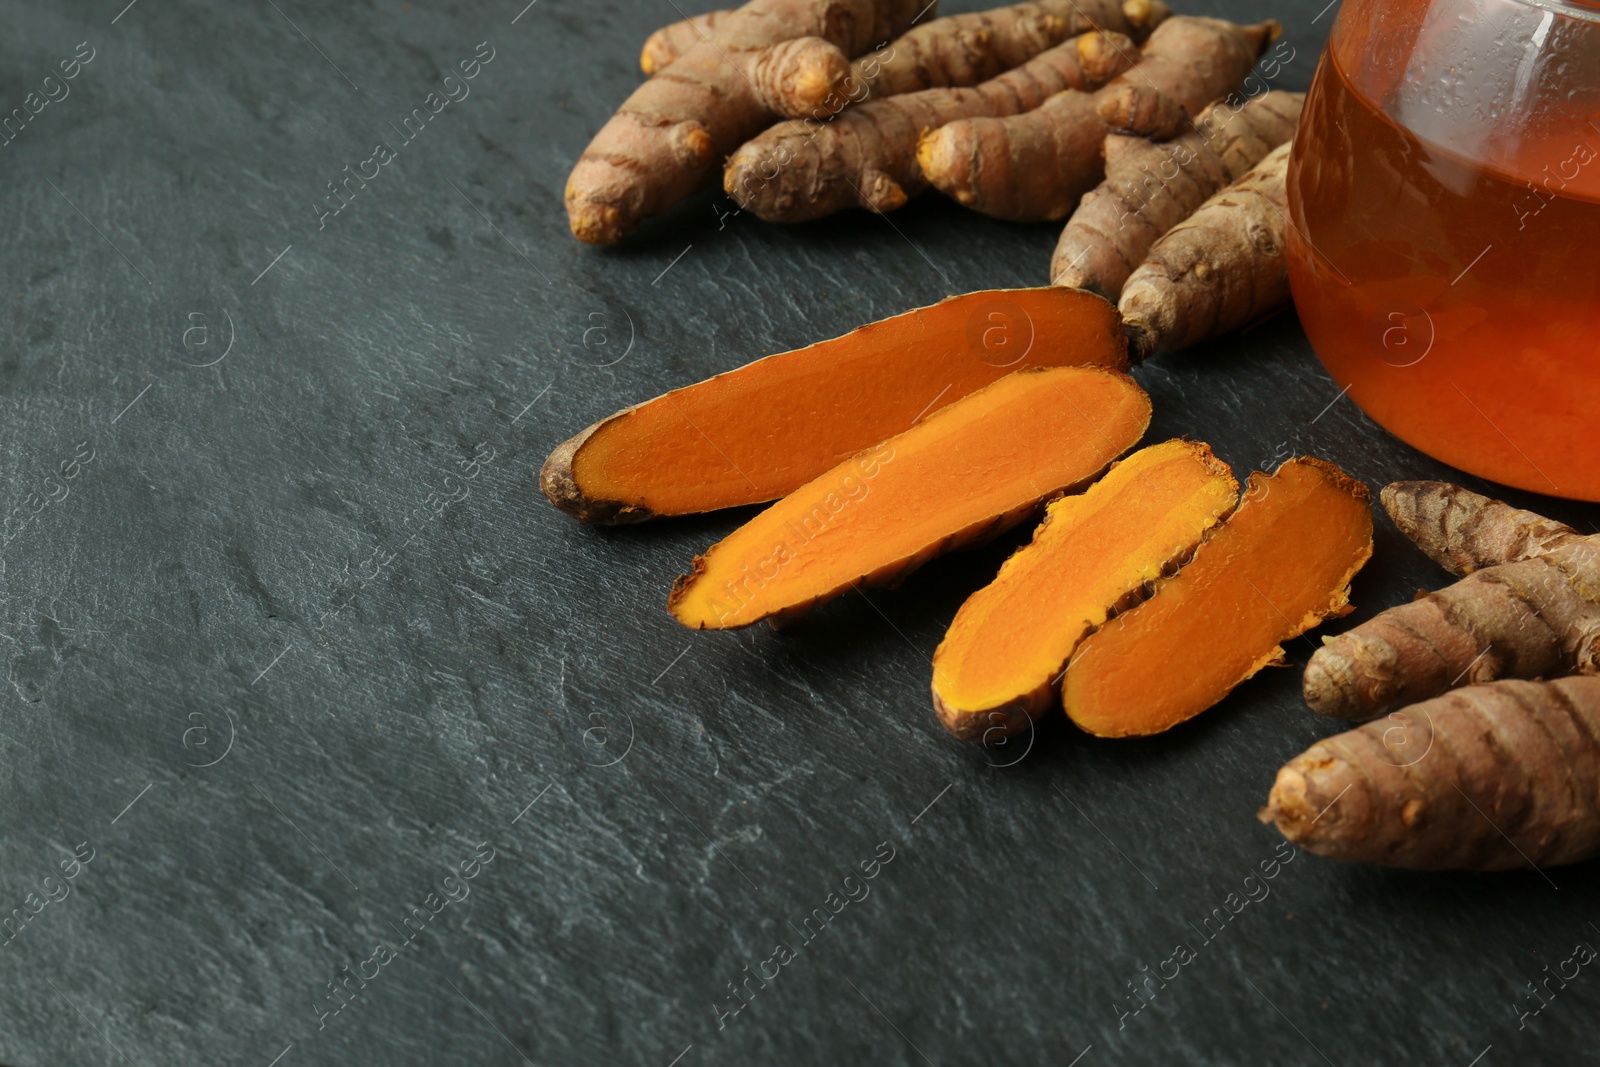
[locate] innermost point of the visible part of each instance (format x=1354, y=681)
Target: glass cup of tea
x=1445, y=251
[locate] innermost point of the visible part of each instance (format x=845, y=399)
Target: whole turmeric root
x=1537, y=616
x=960, y=50
x=1190, y=62
x=1485, y=778
x=952, y=51
x=1218, y=269
x=1151, y=187
x=866, y=157
x=770, y=57
x=669, y=42
x=1463, y=531
x=1024, y=168
x=1036, y=165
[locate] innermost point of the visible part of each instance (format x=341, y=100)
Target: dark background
x=312, y=736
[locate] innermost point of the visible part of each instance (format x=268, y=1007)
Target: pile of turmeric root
x=920, y=434
x=1153, y=557
x=1498, y=773
x=1147, y=129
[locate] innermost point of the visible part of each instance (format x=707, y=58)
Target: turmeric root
x=1024, y=168
x=770, y=57
x=761, y=431
x=866, y=157
x=952, y=51
x=1036, y=165
x=1189, y=63
x=960, y=50
x=1281, y=564
x=1218, y=269
x=1463, y=532
x=1485, y=778
x=1150, y=188
x=669, y=42
x=967, y=473
x=1535, y=617
x=996, y=669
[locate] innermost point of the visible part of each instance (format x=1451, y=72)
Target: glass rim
x=1577, y=9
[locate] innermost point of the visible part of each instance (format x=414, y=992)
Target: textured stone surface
x=284, y=654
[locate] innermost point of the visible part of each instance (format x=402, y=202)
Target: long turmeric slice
x=765, y=429
x=1281, y=564
x=996, y=669
x=978, y=467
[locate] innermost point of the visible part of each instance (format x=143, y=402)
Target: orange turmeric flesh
x=765, y=429
x=1281, y=564
x=997, y=668
x=968, y=472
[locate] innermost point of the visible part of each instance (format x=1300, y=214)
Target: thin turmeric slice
x=998, y=665
x=968, y=472
x=765, y=429
x=1281, y=564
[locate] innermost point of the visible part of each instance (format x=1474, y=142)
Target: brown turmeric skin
x=1534, y=617
x=1217, y=270
x=961, y=50
x=1150, y=187
x=1038, y=164
x=797, y=171
x=1023, y=168
x=769, y=58
x=1463, y=531
x=1188, y=63
x=1485, y=778
x=952, y=51
x=669, y=42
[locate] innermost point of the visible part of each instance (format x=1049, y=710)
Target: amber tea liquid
x=1459, y=300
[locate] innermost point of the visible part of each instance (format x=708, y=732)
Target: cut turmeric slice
x=978, y=467
x=765, y=429
x=1281, y=564
x=997, y=668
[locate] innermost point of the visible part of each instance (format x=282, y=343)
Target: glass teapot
x=1445, y=251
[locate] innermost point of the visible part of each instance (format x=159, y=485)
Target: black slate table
x=324, y=739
